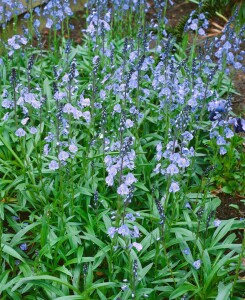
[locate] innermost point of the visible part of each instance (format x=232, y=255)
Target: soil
x=225, y=211
x=239, y=100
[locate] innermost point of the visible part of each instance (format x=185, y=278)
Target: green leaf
x=38, y=279
x=101, y=295
x=215, y=268
x=80, y=254
x=1, y=210
x=10, y=251
x=18, y=237
x=99, y=285
x=75, y=297
x=141, y=186
x=93, y=239
x=6, y=286
x=3, y=279
x=64, y=270
x=107, y=221
x=226, y=189
x=47, y=88
x=221, y=231
x=149, y=239
x=145, y=270
x=183, y=289
x=12, y=151
x=224, y=291
x=84, y=191
x=206, y=262
x=44, y=231
x=234, y=206
x=89, y=277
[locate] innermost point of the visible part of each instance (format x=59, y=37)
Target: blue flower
x=130, y=217
x=111, y=231
x=23, y=247
x=124, y=230
x=174, y=187
x=172, y=169
x=53, y=165
x=49, y=23
x=135, y=233
x=217, y=223
x=197, y=264
x=186, y=251
x=20, y=132
x=63, y=155
x=187, y=205
x=222, y=151
x=123, y=189
x=33, y=130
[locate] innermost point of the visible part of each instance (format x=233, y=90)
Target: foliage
x=109, y=153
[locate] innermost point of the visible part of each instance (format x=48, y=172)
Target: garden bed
x=122, y=153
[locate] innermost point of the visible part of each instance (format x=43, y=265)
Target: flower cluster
x=76, y=113
x=221, y=126
x=22, y=105
x=119, y=6
x=116, y=164
x=98, y=26
x=56, y=12
x=176, y=156
x=9, y=9
x=124, y=230
x=197, y=22
x=16, y=42
x=229, y=46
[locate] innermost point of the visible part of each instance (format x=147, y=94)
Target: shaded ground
x=225, y=211
x=239, y=100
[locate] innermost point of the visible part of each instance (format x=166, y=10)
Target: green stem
x=166, y=255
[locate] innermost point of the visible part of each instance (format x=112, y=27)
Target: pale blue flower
x=174, y=187
x=135, y=233
x=124, y=230
x=117, y=108
x=130, y=179
x=186, y=251
x=23, y=247
x=130, y=217
x=33, y=130
x=172, y=169
x=123, y=189
x=197, y=264
x=49, y=23
x=217, y=223
x=20, y=132
x=73, y=148
x=53, y=165
x=63, y=155
x=109, y=180
x=222, y=151
x=112, y=231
